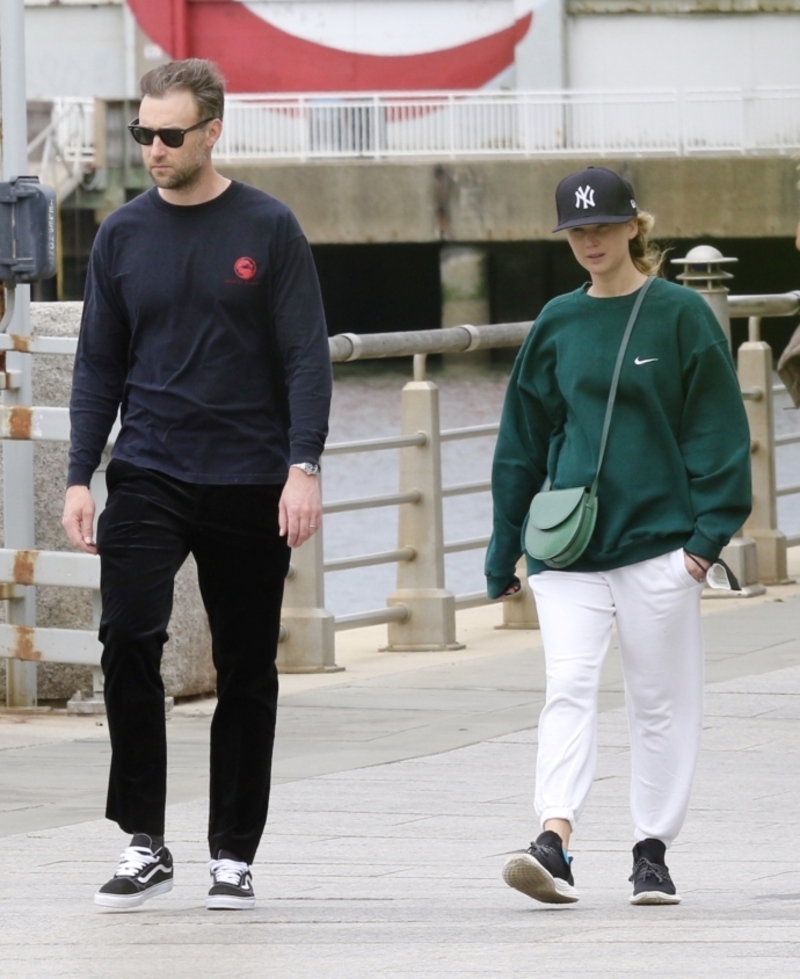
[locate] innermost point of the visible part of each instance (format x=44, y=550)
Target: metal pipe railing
x=780, y=304
x=375, y=445
x=378, y=616
x=370, y=502
x=368, y=560
x=420, y=614
x=475, y=431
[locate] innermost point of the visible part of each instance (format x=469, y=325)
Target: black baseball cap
x=594, y=196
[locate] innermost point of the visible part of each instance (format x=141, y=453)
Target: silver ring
x=313, y=526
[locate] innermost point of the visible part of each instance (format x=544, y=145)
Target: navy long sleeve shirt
x=204, y=326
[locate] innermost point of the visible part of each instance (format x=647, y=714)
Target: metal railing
x=453, y=124
x=424, y=618
x=420, y=613
x=64, y=149
x=513, y=123
x=761, y=394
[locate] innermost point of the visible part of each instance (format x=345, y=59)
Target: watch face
x=309, y=468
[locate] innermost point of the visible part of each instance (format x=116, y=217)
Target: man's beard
x=183, y=177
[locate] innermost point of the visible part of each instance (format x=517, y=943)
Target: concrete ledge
x=512, y=199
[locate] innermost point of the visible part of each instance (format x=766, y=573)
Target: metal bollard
x=703, y=272
x=307, y=627
x=431, y=623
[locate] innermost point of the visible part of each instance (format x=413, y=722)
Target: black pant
x=150, y=524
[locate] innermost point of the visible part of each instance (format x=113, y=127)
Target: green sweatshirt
x=677, y=467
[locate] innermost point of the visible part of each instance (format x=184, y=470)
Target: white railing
x=397, y=125
x=62, y=151
x=516, y=123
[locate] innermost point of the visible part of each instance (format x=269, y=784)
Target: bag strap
x=612, y=394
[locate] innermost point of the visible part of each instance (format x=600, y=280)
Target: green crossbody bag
x=561, y=522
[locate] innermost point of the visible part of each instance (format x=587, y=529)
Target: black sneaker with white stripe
x=542, y=871
x=232, y=889
x=143, y=872
x=652, y=883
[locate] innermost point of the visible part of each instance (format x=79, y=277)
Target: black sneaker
x=541, y=871
x=232, y=889
x=142, y=873
x=652, y=883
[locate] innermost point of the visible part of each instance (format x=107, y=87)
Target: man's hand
x=300, y=507
x=78, y=519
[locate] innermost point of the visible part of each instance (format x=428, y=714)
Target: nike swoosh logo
x=649, y=360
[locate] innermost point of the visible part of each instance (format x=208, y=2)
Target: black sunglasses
x=169, y=137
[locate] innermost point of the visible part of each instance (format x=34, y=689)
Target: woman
x=673, y=488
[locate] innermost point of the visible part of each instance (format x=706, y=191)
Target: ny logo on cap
x=584, y=196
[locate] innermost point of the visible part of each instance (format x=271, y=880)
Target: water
x=366, y=405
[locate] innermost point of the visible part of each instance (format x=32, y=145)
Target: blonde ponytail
x=647, y=257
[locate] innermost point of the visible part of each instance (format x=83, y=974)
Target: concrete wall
x=96, y=49
x=76, y=51
x=635, y=51
x=541, y=56
x=512, y=200
x=187, y=667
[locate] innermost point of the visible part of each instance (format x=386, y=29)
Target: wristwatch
x=309, y=468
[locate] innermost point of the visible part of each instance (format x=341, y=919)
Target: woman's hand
x=696, y=566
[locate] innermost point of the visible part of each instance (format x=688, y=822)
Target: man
x=203, y=324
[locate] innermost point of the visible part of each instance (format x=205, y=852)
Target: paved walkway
x=401, y=784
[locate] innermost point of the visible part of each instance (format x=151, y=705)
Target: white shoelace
x=133, y=860
x=228, y=871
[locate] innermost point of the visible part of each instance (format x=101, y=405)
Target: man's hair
x=196, y=75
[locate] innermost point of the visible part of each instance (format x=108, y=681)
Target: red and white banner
x=342, y=45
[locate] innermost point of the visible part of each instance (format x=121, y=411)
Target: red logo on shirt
x=245, y=267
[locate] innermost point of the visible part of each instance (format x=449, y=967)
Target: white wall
x=87, y=51
x=75, y=50
x=710, y=51
x=540, y=61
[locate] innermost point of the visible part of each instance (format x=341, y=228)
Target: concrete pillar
x=755, y=377
x=703, y=272
x=520, y=612
x=431, y=623
x=464, y=274
x=308, y=643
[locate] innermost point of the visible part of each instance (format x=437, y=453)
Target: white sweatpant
x=656, y=604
